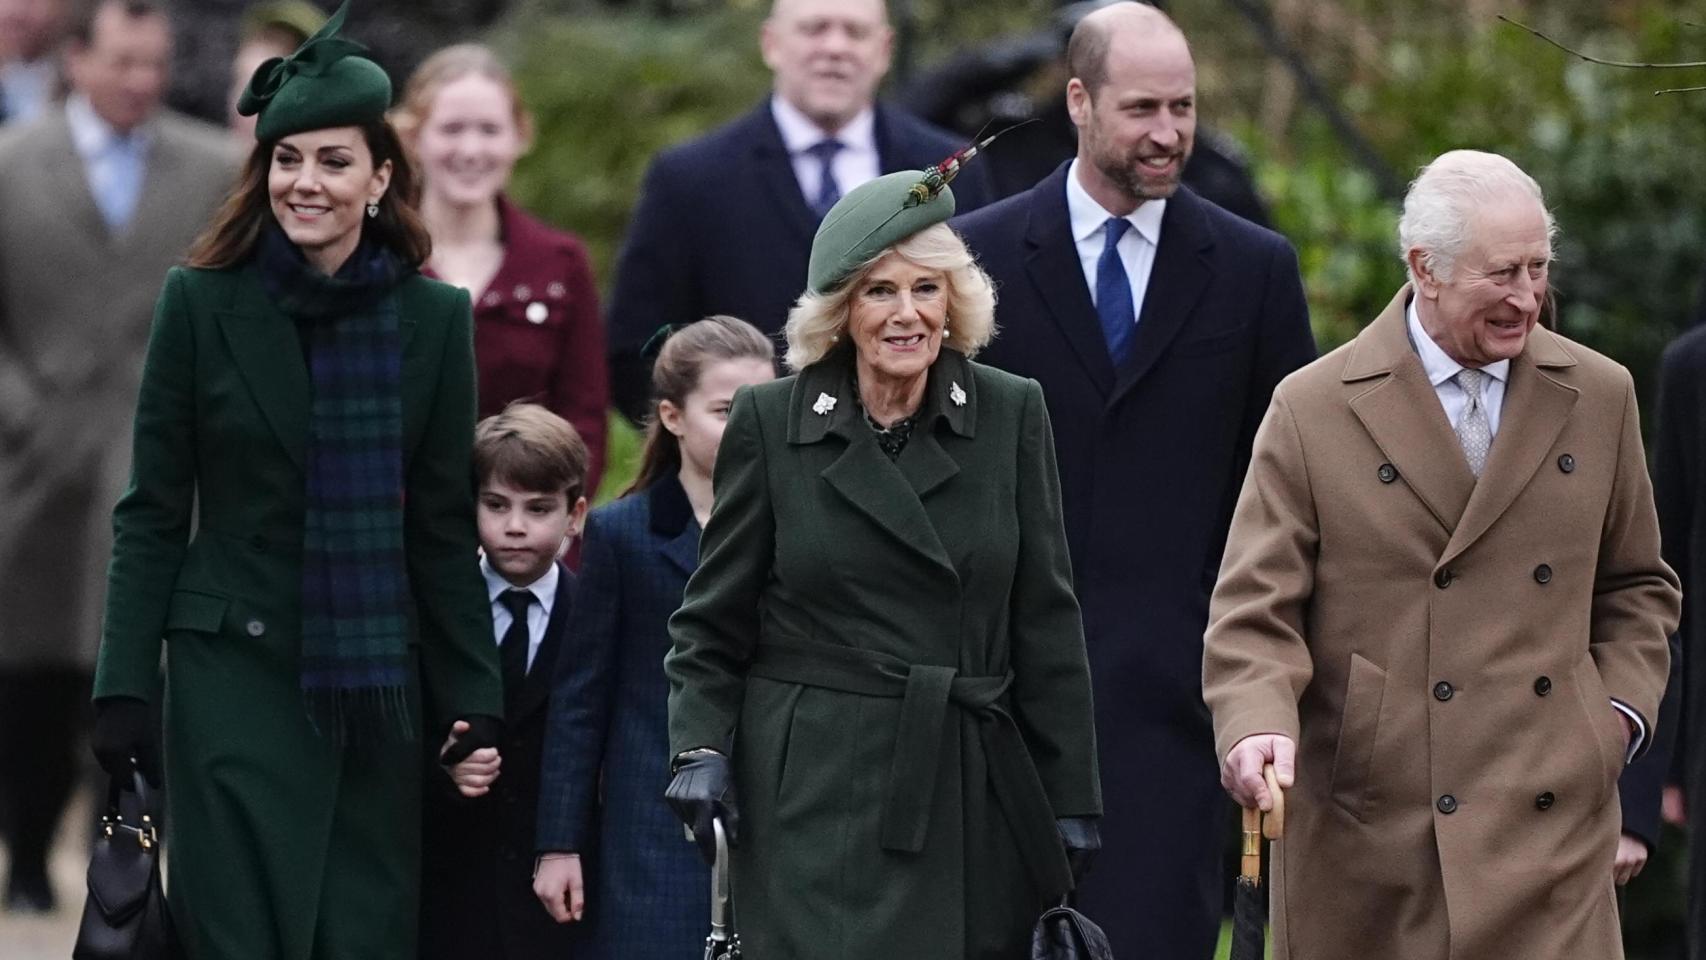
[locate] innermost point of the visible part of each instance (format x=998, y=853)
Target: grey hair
x=1444, y=197
x=817, y=321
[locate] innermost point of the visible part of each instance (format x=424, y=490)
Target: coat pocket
x=195, y=612
x=1604, y=722
x=1359, y=726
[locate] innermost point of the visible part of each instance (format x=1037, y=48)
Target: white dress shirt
x=114, y=164
x=854, y=164
x=544, y=590
x=1440, y=370
x=1137, y=246
x=28, y=87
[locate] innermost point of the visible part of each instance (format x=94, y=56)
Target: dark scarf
x=355, y=586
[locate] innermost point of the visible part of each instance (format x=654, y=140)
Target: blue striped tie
x=1113, y=295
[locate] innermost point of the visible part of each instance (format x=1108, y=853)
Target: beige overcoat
x=1444, y=651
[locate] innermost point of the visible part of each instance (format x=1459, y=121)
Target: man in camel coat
x=1442, y=614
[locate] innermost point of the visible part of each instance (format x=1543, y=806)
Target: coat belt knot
x=926, y=692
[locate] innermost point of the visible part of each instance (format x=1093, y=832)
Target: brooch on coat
x=824, y=404
x=957, y=394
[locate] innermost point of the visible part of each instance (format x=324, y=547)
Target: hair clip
x=654, y=345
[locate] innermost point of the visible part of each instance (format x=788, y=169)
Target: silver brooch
x=957, y=394
x=537, y=312
x=824, y=404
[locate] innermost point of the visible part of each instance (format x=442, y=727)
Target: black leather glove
x=482, y=732
x=1083, y=838
x=703, y=790
x=125, y=739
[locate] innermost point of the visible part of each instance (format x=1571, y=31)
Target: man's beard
x=1125, y=172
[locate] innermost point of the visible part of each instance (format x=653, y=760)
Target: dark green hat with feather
x=327, y=82
x=877, y=215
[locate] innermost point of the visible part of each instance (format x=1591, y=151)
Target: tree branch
x=1603, y=62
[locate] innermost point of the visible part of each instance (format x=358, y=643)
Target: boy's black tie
x=512, y=652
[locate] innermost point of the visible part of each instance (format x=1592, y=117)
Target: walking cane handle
x=1273, y=823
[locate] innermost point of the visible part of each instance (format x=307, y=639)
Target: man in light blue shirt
x=30, y=31
x=98, y=198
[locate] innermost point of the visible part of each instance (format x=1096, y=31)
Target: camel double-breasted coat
x=1444, y=650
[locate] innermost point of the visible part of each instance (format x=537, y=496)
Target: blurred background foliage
x=611, y=83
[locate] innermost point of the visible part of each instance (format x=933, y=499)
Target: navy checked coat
x=477, y=855
x=722, y=227
x=1151, y=457
x=648, y=893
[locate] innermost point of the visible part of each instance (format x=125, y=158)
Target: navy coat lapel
x=536, y=689
x=1051, y=260
x=673, y=524
x=773, y=171
x=1181, y=273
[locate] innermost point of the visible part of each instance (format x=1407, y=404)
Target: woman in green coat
x=878, y=678
x=299, y=531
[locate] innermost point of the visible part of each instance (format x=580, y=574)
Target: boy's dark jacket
x=477, y=854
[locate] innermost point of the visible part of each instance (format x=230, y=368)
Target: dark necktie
x=512, y=652
x=828, y=191
x=1113, y=294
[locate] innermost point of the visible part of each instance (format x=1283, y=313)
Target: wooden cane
x=1258, y=825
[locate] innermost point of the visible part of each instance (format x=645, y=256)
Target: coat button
x=1447, y=804
x=255, y=628
x=1567, y=463
x=258, y=543
x=1387, y=473
x=1543, y=685
x=1443, y=578
x=1442, y=691
x=1543, y=574
x=1544, y=801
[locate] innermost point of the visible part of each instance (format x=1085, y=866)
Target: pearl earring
x=372, y=210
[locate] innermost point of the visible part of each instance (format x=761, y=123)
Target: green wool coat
x=892, y=652
x=282, y=844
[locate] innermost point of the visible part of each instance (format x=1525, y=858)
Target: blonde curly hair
x=816, y=322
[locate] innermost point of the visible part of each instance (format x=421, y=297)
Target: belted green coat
x=892, y=652
x=284, y=845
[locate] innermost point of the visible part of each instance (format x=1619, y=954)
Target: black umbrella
x=1250, y=902
x=724, y=942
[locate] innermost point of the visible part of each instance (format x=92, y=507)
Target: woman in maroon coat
x=537, y=331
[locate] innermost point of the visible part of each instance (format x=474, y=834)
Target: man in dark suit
x=1677, y=762
x=725, y=222
x=1158, y=325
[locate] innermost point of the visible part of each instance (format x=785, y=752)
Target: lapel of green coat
x=268, y=352
x=890, y=493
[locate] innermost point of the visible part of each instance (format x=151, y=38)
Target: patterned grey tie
x=1473, y=430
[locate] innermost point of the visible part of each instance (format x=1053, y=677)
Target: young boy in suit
x=477, y=888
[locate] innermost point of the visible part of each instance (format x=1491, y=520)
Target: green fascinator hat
x=325, y=83
x=877, y=215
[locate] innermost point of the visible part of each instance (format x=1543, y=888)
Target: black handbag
x=125, y=917
x=1063, y=933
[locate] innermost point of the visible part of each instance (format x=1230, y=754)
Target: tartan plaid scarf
x=355, y=586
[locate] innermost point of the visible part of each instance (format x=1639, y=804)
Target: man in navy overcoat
x=1158, y=325
x=725, y=222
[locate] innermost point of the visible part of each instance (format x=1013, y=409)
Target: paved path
x=35, y=937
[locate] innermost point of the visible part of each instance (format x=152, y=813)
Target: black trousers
x=44, y=721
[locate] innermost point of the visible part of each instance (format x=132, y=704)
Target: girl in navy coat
x=649, y=892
